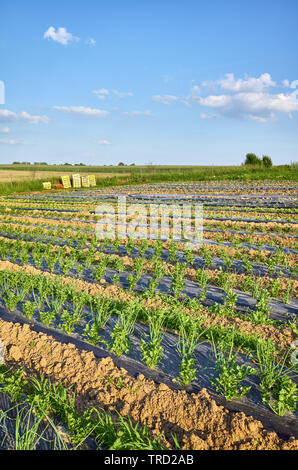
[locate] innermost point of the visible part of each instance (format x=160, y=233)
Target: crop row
x=43, y=298
x=43, y=415
x=257, y=252
x=230, y=258
x=74, y=206
x=67, y=258
x=224, y=307
x=220, y=214
x=238, y=224
x=219, y=235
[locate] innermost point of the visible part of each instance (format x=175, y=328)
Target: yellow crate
x=76, y=181
x=66, y=181
x=92, y=180
x=85, y=181
x=47, y=185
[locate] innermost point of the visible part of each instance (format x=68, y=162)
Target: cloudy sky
x=160, y=81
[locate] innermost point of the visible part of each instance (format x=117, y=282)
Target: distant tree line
x=45, y=163
x=252, y=159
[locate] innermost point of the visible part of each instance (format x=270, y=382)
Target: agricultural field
x=136, y=339
x=30, y=175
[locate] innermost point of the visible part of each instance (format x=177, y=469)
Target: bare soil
x=19, y=175
x=196, y=419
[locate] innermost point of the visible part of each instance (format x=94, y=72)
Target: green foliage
x=69, y=320
x=152, y=350
x=44, y=399
x=13, y=384
x=122, y=330
x=229, y=374
x=28, y=309
x=278, y=390
x=178, y=283
x=266, y=161
x=11, y=301
x=189, y=334
x=252, y=159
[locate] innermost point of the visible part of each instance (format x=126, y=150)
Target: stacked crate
x=76, y=181
x=92, y=180
x=66, y=181
x=85, y=181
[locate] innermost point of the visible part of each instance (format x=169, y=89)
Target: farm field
x=29, y=175
x=147, y=341
x=18, y=178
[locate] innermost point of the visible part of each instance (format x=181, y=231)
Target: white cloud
x=165, y=99
x=82, y=110
x=250, y=84
x=286, y=83
x=249, y=97
x=103, y=142
x=11, y=116
x=209, y=116
x=243, y=98
x=11, y=141
x=61, y=35
x=259, y=107
x=5, y=130
x=121, y=94
x=90, y=42
x=195, y=89
x=101, y=94
x=138, y=113
x=186, y=103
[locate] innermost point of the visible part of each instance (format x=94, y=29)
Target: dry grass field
x=28, y=175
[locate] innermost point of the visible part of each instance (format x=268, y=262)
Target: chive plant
x=177, y=285
x=229, y=374
x=151, y=349
x=261, y=312
x=122, y=330
x=187, y=343
x=202, y=279
x=101, y=316
x=69, y=320
x=278, y=389
x=28, y=309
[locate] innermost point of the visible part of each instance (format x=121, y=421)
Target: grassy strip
x=47, y=400
x=24, y=186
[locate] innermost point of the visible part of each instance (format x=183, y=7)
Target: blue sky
x=159, y=81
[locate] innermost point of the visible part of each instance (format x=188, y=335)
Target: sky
x=166, y=82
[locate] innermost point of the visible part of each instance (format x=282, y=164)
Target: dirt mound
x=196, y=419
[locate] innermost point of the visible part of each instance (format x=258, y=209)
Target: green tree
x=252, y=159
x=267, y=162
